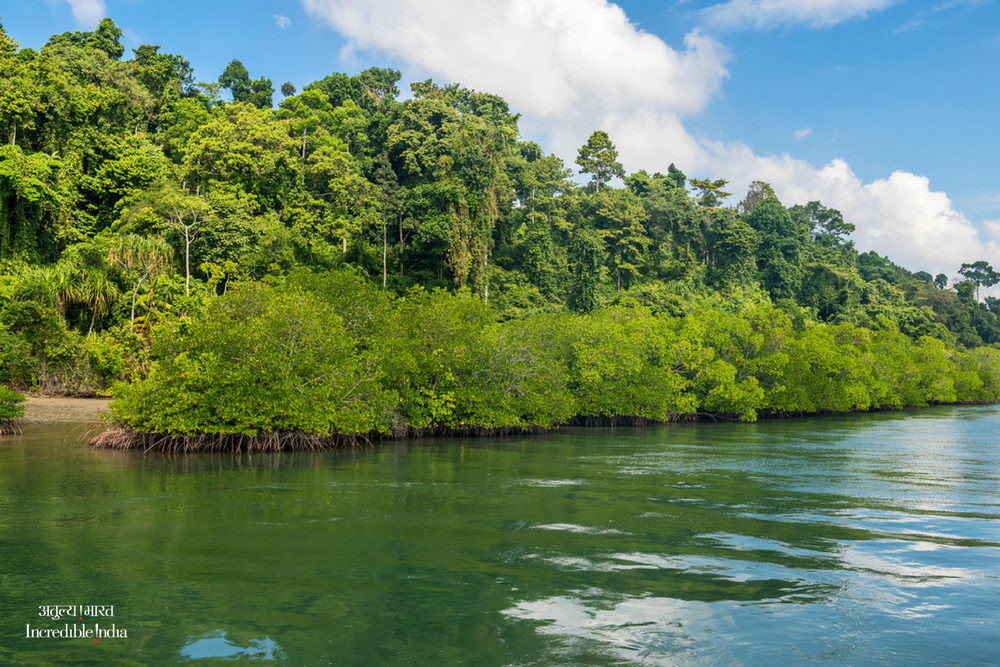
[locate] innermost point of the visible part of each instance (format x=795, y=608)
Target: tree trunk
x=486, y=280
x=400, y=245
x=187, y=262
x=302, y=164
x=135, y=295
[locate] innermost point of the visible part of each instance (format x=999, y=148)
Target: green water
x=869, y=539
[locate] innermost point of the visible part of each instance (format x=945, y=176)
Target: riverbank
x=61, y=409
x=332, y=362
x=118, y=436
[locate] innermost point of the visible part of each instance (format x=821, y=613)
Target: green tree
x=178, y=211
x=18, y=89
x=379, y=86
x=538, y=181
x=676, y=227
x=107, y=38
x=142, y=258
x=587, y=256
x=621, y=221
x=734, y=252
x=236, y=79
x=392, y=204
x=8, y=45
x=826, y=226
x=33, y=205
x=450, y=147
x=757, y=192
x=599, y=158
x=242, y=146
x=167, y=77
x=677, y=176
x=260, y=362
x=257, y=92
x=980, y=273
x=778, y=255
x=711, y=194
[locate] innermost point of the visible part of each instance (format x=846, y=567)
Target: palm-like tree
x=97, y=290
x=147, y=256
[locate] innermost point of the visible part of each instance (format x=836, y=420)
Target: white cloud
x=921, y=19
x=912, y=24
x=767, y=14
x=803, y=133
x=88, y=13
x=573, y=66
x=548, y=58
x=282, y=21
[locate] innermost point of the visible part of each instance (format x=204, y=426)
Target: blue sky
x=885, y=109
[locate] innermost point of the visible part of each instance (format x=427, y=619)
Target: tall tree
x=107, y=38
x=257, y=92
x=711, y=194
x=756, y=193
x=621, y=222
x=599, y=158
x=178, y=211
x=778, y=255
x=18, y=89
x=586, y=268
x=167, y=77
x=980, y=273
x=237, y=79
x=825, y=225
x=145, y=257
x=453, y=145
x=8, y=45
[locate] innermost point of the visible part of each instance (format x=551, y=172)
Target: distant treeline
x=322, y=360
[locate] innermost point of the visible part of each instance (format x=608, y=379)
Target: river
x=855, y=540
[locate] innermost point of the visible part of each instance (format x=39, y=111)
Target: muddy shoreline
x=40, y=409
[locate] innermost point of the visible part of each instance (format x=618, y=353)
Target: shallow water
x=860, y=540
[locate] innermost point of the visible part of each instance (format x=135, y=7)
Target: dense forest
x=146, y=219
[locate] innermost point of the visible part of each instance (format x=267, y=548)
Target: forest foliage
x=169, y=236
x=336, y=357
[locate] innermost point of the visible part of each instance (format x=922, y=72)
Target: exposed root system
x=121, y=437
x=10, y=426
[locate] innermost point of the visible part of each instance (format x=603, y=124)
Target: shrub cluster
x=11, y=411
x=331, y=358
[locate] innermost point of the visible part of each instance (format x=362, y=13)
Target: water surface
x=859, y=540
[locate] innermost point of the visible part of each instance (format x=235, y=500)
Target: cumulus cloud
x=549, y=58
x=573, y=66
x=282, y=21
x=803, y=133
x=767, y=14
x=88, y=13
